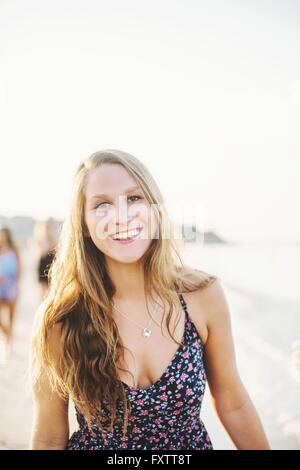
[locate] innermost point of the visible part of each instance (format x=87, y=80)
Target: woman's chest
x=147, y=357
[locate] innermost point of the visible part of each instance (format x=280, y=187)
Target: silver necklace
x=146, y=332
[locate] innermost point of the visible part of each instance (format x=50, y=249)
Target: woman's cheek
x=96, y=226
x=141, y=212
x=102, y=228
x=149, y=221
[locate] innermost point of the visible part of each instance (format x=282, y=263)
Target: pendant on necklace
x=146, y=332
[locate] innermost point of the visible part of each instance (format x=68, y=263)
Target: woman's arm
x=229, y=396
x=50, y=427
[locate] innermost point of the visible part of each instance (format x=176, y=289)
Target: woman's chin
x=127, y=254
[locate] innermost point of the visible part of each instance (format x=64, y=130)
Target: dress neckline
x=166, y=370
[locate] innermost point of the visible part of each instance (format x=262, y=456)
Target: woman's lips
x=128, y=240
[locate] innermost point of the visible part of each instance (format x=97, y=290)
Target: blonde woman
x=127, y=331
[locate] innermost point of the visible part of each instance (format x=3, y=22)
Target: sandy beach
x=264, y=369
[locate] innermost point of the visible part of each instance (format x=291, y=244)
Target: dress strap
x=183, y=302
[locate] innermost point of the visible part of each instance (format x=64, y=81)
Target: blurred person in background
x=43, y=243
x=10, y=270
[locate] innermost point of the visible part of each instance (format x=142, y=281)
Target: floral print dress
x=164, y=416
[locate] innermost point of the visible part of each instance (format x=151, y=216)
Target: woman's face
x=115, y=203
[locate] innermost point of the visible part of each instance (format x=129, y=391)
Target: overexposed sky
x=206, y=93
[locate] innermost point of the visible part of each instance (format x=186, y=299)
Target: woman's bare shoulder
x=191, y=279
x=202, y=303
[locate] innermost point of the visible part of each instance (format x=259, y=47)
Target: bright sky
x=206, y=93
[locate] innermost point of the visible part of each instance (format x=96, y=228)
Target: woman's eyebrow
x=128, y=190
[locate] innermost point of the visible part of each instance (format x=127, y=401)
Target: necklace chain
x=146, y=332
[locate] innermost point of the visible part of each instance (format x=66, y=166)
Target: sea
x=261, y=282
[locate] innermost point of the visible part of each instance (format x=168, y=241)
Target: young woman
x=9, y=281
x=127, y=331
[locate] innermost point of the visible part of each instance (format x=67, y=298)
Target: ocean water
x=262, y=288
x=261, y=269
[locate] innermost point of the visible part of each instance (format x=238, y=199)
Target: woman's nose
x=121, y=214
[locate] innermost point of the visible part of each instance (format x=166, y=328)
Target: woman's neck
x=128, y=280
x=4, y=248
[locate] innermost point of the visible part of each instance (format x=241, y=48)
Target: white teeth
x=123, y=236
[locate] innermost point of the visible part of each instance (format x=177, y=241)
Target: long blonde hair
x=80, y=294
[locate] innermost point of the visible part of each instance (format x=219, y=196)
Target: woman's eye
x=138, y=197
x=129, y=197
x=101, y=204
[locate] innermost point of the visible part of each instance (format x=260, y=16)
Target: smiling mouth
x=127, y=236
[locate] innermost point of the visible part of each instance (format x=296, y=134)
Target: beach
x=264, y=328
